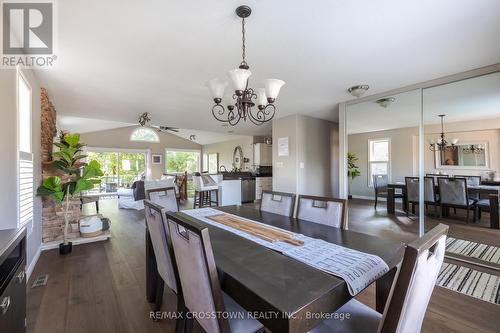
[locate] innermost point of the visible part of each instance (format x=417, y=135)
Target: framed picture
x=156, y=159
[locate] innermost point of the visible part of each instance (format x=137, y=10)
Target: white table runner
x=356, y=268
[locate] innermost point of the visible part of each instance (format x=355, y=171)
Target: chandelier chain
x=243, y=48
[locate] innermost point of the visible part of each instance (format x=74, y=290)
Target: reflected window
x=144, y=134
x=378, y=158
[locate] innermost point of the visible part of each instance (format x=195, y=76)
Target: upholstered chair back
x=453, y=191
x=278, y=203
x=413, y=189
x=471, y=180
x=158, y=231
x=164, y=197
x=380, y=181
x=405, y=310
x=327, y=211
x=204, y=183
x=198, y=273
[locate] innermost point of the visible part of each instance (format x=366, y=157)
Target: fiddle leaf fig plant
x=78, y=175
x=352, y=168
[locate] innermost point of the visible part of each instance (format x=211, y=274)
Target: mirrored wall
x=399, y=145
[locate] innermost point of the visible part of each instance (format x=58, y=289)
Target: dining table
x=285, y=294
x=490, y=192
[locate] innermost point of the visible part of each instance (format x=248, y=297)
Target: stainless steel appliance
x=247, y=189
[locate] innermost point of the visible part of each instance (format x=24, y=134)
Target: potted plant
x=76, y=176
x=352, y=170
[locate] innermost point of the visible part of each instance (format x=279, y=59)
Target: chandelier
x=473, y=149
x=244, y=97
x=441, y=144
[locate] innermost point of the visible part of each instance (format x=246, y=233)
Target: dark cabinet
x=13, y=304
x=13, y=282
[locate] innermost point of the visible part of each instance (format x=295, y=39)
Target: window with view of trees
x=120, y=169
x=182, y=160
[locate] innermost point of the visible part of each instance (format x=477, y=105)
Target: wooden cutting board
x=267, y=233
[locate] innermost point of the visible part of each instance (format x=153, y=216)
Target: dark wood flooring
x=100, y=287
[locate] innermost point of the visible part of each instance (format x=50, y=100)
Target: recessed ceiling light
x=359, y=90
x=385, y=102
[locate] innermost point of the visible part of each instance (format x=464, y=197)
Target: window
x=378, y=158
x=205, y=163
x=25, y=159
x=182, y=160
x=120, y=168
x=144, y=134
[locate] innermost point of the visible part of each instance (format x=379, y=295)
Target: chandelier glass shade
x=442, y=144
x=244, y=98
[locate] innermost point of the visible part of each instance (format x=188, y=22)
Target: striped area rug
x=470, y=282
x=474, y=250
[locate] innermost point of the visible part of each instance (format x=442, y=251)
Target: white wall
x=8, y=151
x=312, y=165
x=226, y=149
x=119, y=138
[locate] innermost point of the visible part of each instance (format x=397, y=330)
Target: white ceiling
x=472, y=99
x=117, y=59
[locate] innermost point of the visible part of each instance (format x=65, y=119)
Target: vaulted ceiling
x=117, y=59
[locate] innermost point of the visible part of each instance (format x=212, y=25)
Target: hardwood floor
x=100, y=287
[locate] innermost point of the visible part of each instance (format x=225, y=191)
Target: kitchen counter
x=7, y=238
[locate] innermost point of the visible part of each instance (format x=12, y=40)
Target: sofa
x=132, y=198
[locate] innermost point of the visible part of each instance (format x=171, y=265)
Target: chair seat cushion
x=237, y=324
x=484, y=203
x=353, y=316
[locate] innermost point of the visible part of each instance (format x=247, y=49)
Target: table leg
x=97, y=206
x=494, y=216
x=390, y=201
x=151, y=270
x=383, y=289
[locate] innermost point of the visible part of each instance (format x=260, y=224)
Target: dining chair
x=413, y=193
x=200, y=283
x=472, y=181
x=436, y=176
x=328, y=211
x=164, y=254
x=453, y=193
x=409, y=296
x=380, y=183
x=278, y=203
x=206, y=191
x=165, y=197
x=492, y=206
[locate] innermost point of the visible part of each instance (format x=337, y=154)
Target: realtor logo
x=27, y=33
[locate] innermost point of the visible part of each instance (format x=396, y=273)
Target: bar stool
x=204, y=190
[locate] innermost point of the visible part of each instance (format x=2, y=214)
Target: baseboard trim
x=33, y=262
x=77, y=241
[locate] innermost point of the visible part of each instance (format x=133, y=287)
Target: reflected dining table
x=287, y=295
x=490, y=192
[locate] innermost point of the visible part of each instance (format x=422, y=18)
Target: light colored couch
x=126, y=195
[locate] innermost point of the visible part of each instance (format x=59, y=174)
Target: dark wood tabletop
x=283, y=288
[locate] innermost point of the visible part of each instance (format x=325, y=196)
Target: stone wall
x=52, y=214
x=49, y=130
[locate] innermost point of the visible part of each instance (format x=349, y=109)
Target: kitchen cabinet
x=262, y=184
x=263, y=154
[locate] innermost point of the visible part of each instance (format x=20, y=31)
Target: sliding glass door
x=120, y=168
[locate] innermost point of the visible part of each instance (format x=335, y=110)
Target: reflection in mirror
x=463, y=156
x=471, y=127
x=237, y=158
x=382, y=140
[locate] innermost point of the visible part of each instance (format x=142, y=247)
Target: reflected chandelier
x=244, y=97
x=441, y=144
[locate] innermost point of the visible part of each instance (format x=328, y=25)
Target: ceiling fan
x=145, y=118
